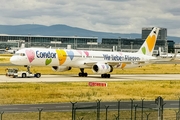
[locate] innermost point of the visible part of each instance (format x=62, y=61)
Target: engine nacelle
x=102, y=68
x=61, y=68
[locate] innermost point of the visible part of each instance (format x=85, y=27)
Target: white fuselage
x=76, y=58
x=101, y=62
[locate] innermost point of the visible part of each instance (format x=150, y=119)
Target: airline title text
x=47, y=54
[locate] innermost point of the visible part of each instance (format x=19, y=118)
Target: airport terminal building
x=46, y=41
x=88, y=43
x=128, y=44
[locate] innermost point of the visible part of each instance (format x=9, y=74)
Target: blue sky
x=116, y=16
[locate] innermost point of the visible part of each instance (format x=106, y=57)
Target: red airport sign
x=103, y=84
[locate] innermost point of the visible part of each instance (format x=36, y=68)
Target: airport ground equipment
x=14, y=72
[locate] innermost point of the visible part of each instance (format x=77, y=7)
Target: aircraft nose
x=13, y=60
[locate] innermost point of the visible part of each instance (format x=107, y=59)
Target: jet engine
x=102, y=68
x=61, y=68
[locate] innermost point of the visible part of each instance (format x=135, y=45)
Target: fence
x=98, y=110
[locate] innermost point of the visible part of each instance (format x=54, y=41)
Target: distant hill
x=64, y=30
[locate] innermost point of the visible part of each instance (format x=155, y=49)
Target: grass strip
x=32, y=93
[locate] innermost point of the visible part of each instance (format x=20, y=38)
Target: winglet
x=149, y=44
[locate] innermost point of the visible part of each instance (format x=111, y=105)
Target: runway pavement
x=88, y=106
x=76, y=78
x=125, y=105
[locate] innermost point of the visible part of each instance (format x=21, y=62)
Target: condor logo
x=45, y=54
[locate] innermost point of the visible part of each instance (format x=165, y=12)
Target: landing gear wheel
x=24, y=75
x=82, y=73
x=85, y=74
x=105, y=75
x=102, y=75
x=108, y=76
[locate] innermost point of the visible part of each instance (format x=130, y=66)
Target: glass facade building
x=161, y=36
x=125, y=44
x=47, y=41
x=88, y=43
x=161, y=39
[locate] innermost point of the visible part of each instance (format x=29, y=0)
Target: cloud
x=120, y=16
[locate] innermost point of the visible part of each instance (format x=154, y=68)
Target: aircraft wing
x=167, y=59
x=161, y=60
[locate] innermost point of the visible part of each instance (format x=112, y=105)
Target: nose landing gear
x=30, y=74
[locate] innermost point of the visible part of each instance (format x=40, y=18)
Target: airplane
x=14, y=50
x=10, y=50
x=173, y=56
x=101, y=62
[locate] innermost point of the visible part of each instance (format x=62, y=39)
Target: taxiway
x=75, y=78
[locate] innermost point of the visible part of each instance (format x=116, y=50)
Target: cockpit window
x=22, y=54
x=19, y=54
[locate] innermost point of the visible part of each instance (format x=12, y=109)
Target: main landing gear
x=28, y=68
x=82, y=73
x=105, y=75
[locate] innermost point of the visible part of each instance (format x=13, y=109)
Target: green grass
x=30, y=93
x=6, y=55
x=4, y=59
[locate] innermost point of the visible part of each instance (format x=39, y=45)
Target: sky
x=116, y=16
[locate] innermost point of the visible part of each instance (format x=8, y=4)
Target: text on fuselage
x=47, y=54
x=120, y=58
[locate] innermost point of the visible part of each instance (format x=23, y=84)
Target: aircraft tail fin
x=149, y=44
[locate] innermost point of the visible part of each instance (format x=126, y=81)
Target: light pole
x=55, y=43
x=29, y=40
x=119, y=43
x=75, y=42
x=131, y=46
